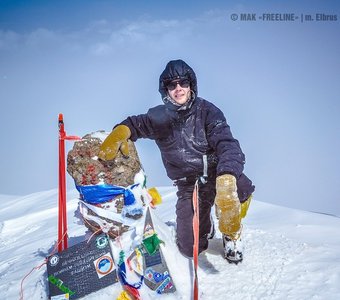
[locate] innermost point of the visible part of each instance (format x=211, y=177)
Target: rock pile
x=86, y=168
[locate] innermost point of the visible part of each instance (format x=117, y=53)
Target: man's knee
x=187, y=249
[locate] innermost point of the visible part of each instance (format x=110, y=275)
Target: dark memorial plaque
x=81, y=269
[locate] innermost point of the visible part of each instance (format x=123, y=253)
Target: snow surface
x=290, y=254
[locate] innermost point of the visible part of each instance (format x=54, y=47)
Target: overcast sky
x=98, y=62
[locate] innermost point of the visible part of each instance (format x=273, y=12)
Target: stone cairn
x=86, y=168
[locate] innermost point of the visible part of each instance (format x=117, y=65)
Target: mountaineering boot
x=233, y=249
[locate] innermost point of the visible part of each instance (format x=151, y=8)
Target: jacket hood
x=177, y=69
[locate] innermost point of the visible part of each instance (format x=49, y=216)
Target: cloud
x=8, y=40
x=103, y=37
x=101, y=49
x=99, y=26
x=41, y=37
x=38, y=39
x=152, y=35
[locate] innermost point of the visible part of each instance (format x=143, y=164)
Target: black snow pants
x=185, y=213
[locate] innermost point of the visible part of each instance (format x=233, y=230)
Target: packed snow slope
x=290, y=254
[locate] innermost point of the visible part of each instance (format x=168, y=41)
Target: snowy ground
x=290, y=254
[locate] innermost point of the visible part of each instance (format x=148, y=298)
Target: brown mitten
x=228, y=205
x=116, y=140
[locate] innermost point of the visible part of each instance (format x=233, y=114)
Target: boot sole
x=231, y=261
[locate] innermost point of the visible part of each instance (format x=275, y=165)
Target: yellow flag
x=156, y=197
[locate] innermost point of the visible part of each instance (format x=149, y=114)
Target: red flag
x=62, y=212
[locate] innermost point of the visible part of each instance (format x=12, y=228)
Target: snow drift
x=289, y=254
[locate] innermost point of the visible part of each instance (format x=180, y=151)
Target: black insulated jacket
x=184, y=136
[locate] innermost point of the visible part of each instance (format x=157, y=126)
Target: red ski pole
x=62, y=212
x=196, y=230
x=62, y=221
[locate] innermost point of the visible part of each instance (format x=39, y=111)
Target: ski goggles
x=184, y=83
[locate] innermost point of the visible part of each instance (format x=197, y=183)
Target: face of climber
x=179, y=90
